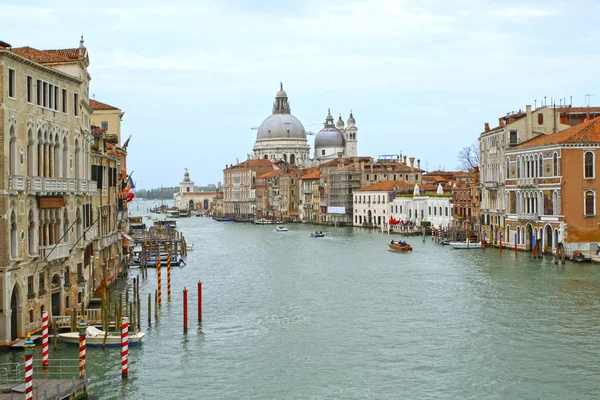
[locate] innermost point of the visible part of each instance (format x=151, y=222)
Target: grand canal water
x=287, y=316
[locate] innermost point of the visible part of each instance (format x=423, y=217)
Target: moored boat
x=465, y=245
x=96, y=338
x=400, y=247
x=221, y=219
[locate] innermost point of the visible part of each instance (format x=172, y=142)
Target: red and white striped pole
x=440, y=234
x=169, y=276
x=124, y=347
x=82, y=334
x=45, y=338
x=159, y=277
x=29, y=345
x=432, y=233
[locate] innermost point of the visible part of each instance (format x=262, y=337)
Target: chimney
x=528, y=123
x=412, y=162
x=501, y=121
x=419, y=164
x=404, y=160
x=486, y=127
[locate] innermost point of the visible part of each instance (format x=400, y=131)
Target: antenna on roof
x=587, y=99
x=94, y=96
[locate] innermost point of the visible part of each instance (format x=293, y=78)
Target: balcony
x=109, y=239
x=527, y=217
x=91, y=234
x=16, y=183
x=60, y=251
x=527, y=182
x=490, y=185
x=44, y=185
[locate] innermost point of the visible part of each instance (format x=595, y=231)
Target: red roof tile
x=50, y=56
x=385, y=186
x=586, y=132
x=96, y=105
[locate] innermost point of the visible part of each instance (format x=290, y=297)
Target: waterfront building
x=466, y=202
x=309, y=191
x=371, y=203
x=46, y=189
x=239, y=187
x=512, y=130
x=344, y=175
x=552, y=189
x=261, y=191
x=105, y=221
x=189, y=198
x=422, y=206
x=283, y=188
x=107, y=117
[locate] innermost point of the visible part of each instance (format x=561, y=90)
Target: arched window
x=31, y=234
x=590, y=204
x=30, y=150
x=13, y=235
x=65, y=158
x=77, y=156
x=434, y=211
x=446, y=211
x=205, y=204
x=430, y=210
x=540, y=119
x=518, y=167
x=589, y=164
x=56, y=161
x=12, y=152
x=541, y=166
x=285, y=157
x=555, y=164
x=40, y=154
x=266, y=157
x=535, y=166
x=292, y=158
x=507, y=168
x=79, y=224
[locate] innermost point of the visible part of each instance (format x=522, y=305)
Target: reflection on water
x=290, y=316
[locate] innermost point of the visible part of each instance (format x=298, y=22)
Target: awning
x=126, y=236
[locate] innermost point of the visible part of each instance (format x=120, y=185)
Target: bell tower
x=351, y=137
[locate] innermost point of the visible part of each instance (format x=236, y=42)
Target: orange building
x=551, y=190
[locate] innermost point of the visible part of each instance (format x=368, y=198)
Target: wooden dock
x=50, y=389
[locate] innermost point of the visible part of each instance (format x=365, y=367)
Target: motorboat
x=222, y=219
x=400, y=247
x=96, y=338
x=465, y=245
x=281, y=228
x=263, y=221
x=317, y=234
x=578, y=256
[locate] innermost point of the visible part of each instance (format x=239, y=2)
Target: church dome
x=329, y=136
x=351, y=120
x=281, y=124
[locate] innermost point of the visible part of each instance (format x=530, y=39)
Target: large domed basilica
x=282, y=137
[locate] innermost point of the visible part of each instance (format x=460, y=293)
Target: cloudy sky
x=421, y=77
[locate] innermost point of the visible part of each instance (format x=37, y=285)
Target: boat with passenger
x=317, y=234
x=281, y=228
x=400, y=246
x=263, y=221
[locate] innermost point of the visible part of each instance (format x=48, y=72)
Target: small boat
x=189, y=246
x=262, y=221
x=281, y=228
x=400, y=247
x=174, y=263
x=96, y=338
x=221, y=219
x=445, y=243
x=465, y=245
x=579, y=257
x=317, y=234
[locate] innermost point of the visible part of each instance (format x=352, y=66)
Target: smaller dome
x=329, y=137
x=340, y=124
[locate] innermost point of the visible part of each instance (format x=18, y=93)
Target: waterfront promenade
x=289, y=316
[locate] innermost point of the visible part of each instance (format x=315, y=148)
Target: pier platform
x=47, y=389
